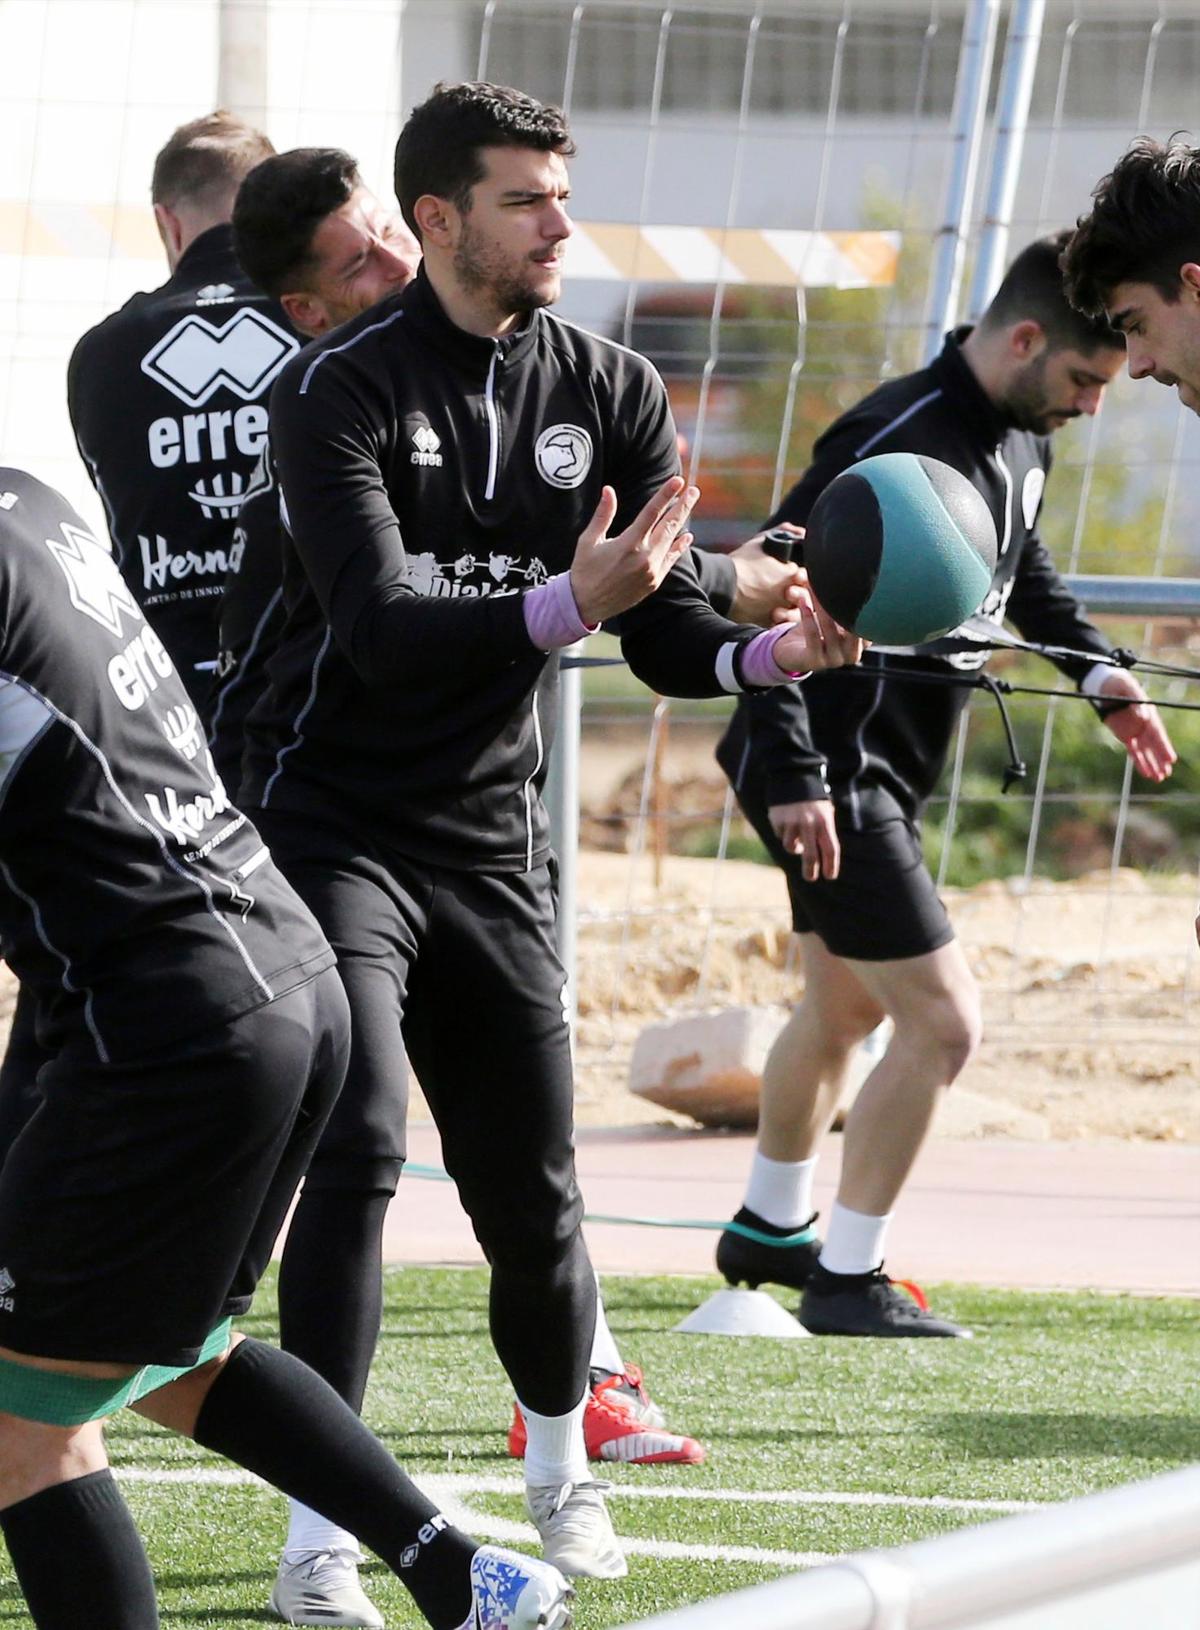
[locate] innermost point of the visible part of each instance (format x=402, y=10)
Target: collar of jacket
x=211, y=248
x=954, y=375
x=473, y=352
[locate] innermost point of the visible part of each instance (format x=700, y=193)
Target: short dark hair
x=1032, y=287
x=279, y=207
x=439, y=148
x=206, y=158
x=1143, y=226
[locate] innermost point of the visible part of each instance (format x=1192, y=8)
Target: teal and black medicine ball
x=900, y=548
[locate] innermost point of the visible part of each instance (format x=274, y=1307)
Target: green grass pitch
x=1060, y=1395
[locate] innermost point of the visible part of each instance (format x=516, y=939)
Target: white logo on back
x=196, y=357
x=215, y=294
x=186, y=820
x=95, y=585
x=182, y=729
x=161, y=566
x=563, y=455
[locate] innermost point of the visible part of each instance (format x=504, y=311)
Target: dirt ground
x=1089, y=987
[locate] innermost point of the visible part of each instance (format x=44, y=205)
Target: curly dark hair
x=1143, y=226
x=439, y=148
x=279, y=207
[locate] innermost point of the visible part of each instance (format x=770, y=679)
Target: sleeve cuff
x=1093, y=680
x=552, y=618
x=798, y=786
x=755, y=663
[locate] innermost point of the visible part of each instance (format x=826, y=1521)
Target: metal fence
x=783, y=203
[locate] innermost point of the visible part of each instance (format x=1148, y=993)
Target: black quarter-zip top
x=430, y=478
x=876, y=743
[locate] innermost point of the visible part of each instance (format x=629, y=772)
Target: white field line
x=453, y=1492
x=449, y=1485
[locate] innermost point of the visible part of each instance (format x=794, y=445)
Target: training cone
x=741, y=1313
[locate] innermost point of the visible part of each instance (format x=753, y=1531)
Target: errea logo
x=7, y=1285
x=195, y=358
x=425, y=447
x=95, y=585
x=215, y=294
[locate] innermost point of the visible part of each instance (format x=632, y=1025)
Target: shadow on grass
x=464, y=1324
x=1007, y=1435
x=13, y=1609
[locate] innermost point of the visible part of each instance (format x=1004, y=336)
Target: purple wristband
x=552, y=618
x=759, y=666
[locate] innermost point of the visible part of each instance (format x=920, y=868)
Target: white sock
x=309, y=1532
x=853, y=1241
x=555, y=1452
x=605, y=1353
x=781, y=1191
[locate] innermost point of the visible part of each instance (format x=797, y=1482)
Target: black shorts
x=460, y=972
x=140, y=1203
x=882, y=906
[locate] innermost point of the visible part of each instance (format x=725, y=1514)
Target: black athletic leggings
x=459, y=972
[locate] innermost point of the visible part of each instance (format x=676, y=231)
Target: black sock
x=331, y=1285
x=272, y=1414
x=78, y=1558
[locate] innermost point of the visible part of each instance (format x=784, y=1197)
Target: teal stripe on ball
x=930, y=570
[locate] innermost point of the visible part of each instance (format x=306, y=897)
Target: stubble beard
x=483, y=272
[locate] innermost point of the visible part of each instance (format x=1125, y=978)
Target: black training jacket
x=168, y=402
x=872, y=743
x=136, y=903
x=430, y=477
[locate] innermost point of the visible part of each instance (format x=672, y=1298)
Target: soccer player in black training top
x=200, y=1035
x=470, y=484
x=168, y=402
x=312, y=237
x=835, y=776
x=310, y=234
x=168, y=397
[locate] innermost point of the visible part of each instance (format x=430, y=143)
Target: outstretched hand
x=814, y=641
x=1138, y=727
x=608, y=575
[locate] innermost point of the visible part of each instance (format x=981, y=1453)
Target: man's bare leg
x=807, y=1068
x=771, y=1239
x=934, y=1005
x=933, y=1002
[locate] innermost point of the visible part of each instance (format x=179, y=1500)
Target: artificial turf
x=1058, y=1395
